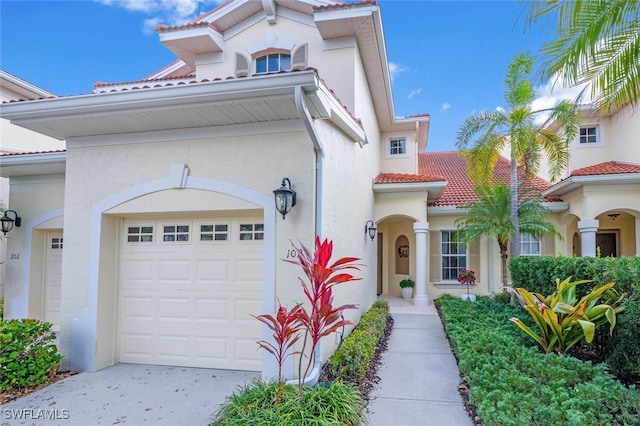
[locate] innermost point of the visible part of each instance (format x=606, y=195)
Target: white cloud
x=170, y=12
x=445, y=106
x=549, y=95
x=414, y=93
x=395, y=70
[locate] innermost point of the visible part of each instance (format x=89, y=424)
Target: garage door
x=188, y=290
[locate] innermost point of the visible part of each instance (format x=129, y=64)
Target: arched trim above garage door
x=84, y=329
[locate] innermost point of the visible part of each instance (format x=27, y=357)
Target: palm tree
x=489, y=133
x=598, y=43
x=490, y=216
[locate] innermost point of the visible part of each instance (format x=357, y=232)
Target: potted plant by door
x=467, y=277
x=407, y=285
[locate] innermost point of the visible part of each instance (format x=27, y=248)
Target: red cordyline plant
x=323, y=318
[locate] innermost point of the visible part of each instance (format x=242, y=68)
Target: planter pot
x=407, y=292
x=468, y=296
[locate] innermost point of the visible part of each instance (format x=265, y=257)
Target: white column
x=588, y=229
x=421, y=230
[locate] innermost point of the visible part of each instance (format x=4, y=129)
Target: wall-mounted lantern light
x=370, y=229
x=8, y=219
x=613, y=216
x=285, y=197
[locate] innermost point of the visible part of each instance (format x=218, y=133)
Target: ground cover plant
x=512, y=382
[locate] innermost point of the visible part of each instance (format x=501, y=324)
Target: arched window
x=273, y=62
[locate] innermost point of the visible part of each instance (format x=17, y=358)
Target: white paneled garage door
x=188, y=290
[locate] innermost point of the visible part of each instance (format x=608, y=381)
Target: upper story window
x=397, y=147
x=590, y=135
x=273, y=62
x=529, y=245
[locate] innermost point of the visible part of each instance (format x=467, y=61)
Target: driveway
x=129, y=394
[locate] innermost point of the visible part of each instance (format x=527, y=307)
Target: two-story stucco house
x=165, y=199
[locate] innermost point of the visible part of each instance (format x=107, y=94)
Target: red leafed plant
x=285, y=326
x=323, y=318
x=321, y=277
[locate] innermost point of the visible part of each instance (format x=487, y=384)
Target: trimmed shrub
x=265, y=404
x=28, y=356
x=351, y=360
x=1, y=308
x=621, y=351
x=513, y=383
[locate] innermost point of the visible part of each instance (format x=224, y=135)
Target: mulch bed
x=19, y=393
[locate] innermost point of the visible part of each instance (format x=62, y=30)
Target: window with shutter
x=299, y=58
x=242, y=65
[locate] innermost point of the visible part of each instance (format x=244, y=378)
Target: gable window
x=454, y=256
x=214, y=232
x=140, y=234
x=398, y=147
x=529, y=245
x=273, y=62
x=175, y=233
x=251, y=231
x=589, y=135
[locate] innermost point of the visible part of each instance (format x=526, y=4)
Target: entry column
x=588, y=229
x=421, y=230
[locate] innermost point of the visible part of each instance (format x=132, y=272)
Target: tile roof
x=9, y=154
x=342, y=5
x=608, y=168
x=406, y=178
x=459, y=189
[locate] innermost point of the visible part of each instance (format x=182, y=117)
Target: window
x=140, y=234
x=56, y=243
x=273, y=62
x=217, y=232
x=589, y=135
x=529, y=245
x=251, y=231
x=397, y=147
x=175, y=233
x=454, y=256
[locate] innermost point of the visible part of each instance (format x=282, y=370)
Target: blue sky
x=448, y=58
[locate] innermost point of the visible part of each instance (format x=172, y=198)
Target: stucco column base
x=422, y=300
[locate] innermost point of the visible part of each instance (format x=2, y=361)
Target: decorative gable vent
x=242, y=65
x=299, y=58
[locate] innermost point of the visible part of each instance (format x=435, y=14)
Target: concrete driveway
x=129, y=394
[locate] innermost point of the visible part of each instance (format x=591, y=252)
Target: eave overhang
x=267, y=98
x=189, y=41
x=574, y=183
x=434, y=189
x=36, y=164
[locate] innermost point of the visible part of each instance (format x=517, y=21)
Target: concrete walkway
x=419, y=376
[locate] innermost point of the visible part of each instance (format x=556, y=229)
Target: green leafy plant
x=407, y=283
x=563, y=320
x=1, y=308
x=28, y=356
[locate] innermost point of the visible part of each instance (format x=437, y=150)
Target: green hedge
x=512, y=383
x=1, y=308
x=621, y=351
x=28, y=356
x=351, y=360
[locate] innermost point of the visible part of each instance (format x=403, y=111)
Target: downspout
x=299, y=94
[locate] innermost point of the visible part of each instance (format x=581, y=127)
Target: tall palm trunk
x=515, y=241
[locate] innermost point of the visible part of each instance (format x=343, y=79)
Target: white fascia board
x=180, y=34
x=556, y=206
x=160, y=98
x=574, y=182
x=344, y=13
x=381, y=188
x=340, y=117
x=33, y=159
x=445, y=211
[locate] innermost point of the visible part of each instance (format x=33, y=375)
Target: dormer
x=271, y=60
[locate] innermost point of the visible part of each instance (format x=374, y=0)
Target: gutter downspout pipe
x=299, y=95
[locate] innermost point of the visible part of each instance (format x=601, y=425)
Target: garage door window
x=214, y=232
x=251, y=231
x=175, y=233
x=140, y=234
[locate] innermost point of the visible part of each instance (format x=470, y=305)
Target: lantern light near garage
x=8, y=220
x=285, y=197
x=370, y=229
